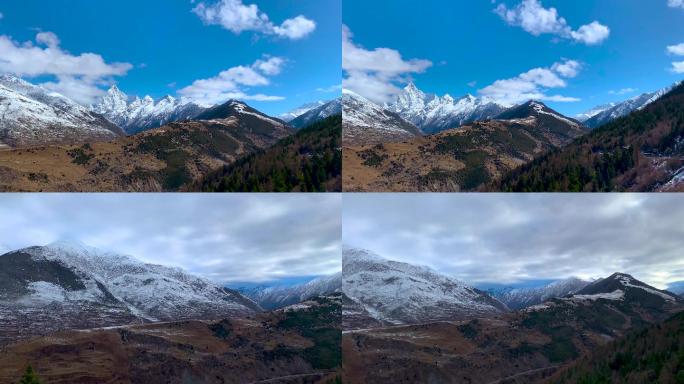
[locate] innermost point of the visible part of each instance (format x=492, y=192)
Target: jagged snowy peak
x=518, y=298
x=31, y=115
x=624, y=108
x=392, y=292
x=272, y=297
x=85, y=287
x=136, y=115
x=364, y=122
x=432, y=113
x=302, y=109
x=331, y=108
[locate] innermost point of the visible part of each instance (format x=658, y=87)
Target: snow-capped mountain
x=618, y=287
x=272, y=297
x=302, y=109
x=84, y=287
x=333, y=107
x=518, y=298
x=391, y=292
x=586, y=115
x=601, y=115
x=32, y=115
x=364, y=122
x=432, y=113
x=249, y=118
x=136, y=115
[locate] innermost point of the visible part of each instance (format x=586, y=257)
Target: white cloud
x=591, y=34
x=374, y=73
x=232, y=83
x=676, y=49
x=531, y=16
x=271, y=66
x=678, y=66
x=295, y=28
x=237, y=17
x=533, y=84
x=675, y=3
x=78, y=76
x=622, y=91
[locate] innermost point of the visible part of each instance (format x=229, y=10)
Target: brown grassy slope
x=281, y=347
x=462, y=159
x=162, y=159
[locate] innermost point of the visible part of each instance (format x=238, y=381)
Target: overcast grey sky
x=507, y=238
x=223, y=237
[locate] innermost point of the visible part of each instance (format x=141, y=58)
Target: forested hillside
x=309, y=161
x=639, y=152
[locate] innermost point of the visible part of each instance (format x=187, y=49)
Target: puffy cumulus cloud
x=531, y=16
x=78, y=76
x=513, y=238
x=238, y=17
x=268, y=237
x=675, y=3
x=534, y=84
x=233, y=82
x=677, y=50
x=678, y=67
x=374, y=73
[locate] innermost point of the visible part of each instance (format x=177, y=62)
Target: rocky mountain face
x=364, y=122
x=168, y=158
x=463, y=159
x=519, y=298
x=603, y=114
x=320, y=113
x=32, y=116
x=295, y=345
x=302, y=109
x=134, y=114
x=394, y=293
x=530, y=345
x=84, y=288
x=433, y=114
x=639, y=152
x=274, y=297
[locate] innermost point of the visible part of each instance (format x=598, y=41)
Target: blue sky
x=469, y=46
x=163, y=46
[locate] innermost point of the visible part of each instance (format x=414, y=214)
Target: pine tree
x=29, y=377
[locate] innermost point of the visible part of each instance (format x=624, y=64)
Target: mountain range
x=466, y=158
x=382, y=291
x=505, y=346
x=519, y=298
x=433, y=114
x=302, y=109
x=85, y=287
x=31, y=116
x=134, y=114
x=278, y=296
x=319, y=113
x=606, y=113
x=641, y=151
